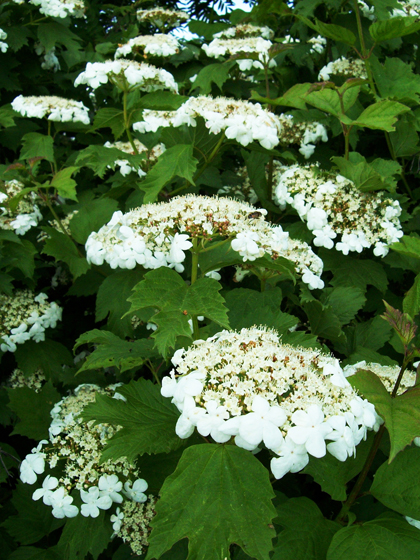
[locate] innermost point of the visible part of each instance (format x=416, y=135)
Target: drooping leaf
x=331, y=31
x=91, y=217
x=306, y=533
x=33, y=410
x=215, y=482
x=385, y=538
x=177, y=161
x=37, y=145
x=394, y=27
x=212, y=73
x=60, y=247
x=84, y=535
x=64, y=184
x=401, y=414
x=397, y=485
x=110, y=350
x=148, y=421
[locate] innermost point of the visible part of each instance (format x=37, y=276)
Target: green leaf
x=112, y=118
x=33, y=410
x=161, y=101
x=164, y=289
x=91, y=217
x=37, y=145
x=405, y=140
x=411, y=301
x=323, y=321
x=367, y=177
x=349, y=271
x=7, y=116
x=33, y=520
x=408, y=246
x=401, y=414
x=394, y=27
x=148, y=421
x=112, y=300
x=84, y=535
x=64, y=184
x=306, y=533
x=220, y=256
x=60, y=247
x=177, y=161
x=21, y=256
x=34, y=553
x=395, y=79
x=381, y=115
x=381, y=539
x=100, y=159
x=397, y=485
x=326, y=100
x=9, y=461
x=345, y=302
x=53, y=33
x=329, y=30
x=48, y=355
x=110, y=350
x=333, y=475
x=215, y=482
x=212, y=73
x=293, y=97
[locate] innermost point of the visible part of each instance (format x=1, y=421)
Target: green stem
x=346, y=144
x=214, y=246
x=194, y=274
x=126, y=123
x=365, y=55
x=263, y=283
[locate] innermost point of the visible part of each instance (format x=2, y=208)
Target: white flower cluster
x=59, y=8
x=24, y=316
x=156, y=235
x=51, y=61
x=55, y=108
x=3, y=36
x=249, y=385
x=26, y=214
x=162, y=18
x=239, y=47
x=331, y=205
x=76, y=447
x=127, y=75
x=244, y=30
x=132, y=524
x=343, y=67
x=318, y=44
x=366, y=10
x=306, y=134
x=34, y=381
x=243, y=121
x=124, y=165
x=387, y=374
x=155, y=45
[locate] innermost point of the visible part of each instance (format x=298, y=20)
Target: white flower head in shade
x=25, y=216
x=241, y=47
x=387, y=374
x=127, y=75
x=159, y=234
x=57, y=109
x=241, y=189
x=245, y=30
x=162, y=18
x=343, y=67
x=153, y=45
x=59, y=8
x=337, y=212
x=250, y=386
x=132, y=523
x=318, y=44
x=306, y=134
x=24, y=316
x=243, y=121
x=3, y=46
x=124, y=165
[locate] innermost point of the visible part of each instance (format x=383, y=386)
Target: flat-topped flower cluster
x=55, y=108
x=124, y=165
x=332, y=206
x=243, y=46
x=59, y=8
x=26, y=214
x=75, y=447
x=156, y=235
x=387, y=374
x=34, y=381
x=343, y=67
x=250, y=386
x=25, y=316
x=245, y=30
x=306, y=134
x=155, y=45
x=163, y=18
x=127, y=75
x=243, y=121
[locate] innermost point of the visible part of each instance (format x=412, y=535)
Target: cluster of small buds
x=26, y=214
x=55, y=108
x=34, y=381
x=332, y=206
x=154, y=45
x=3, y=36
x=306, y=134
x=243, y=191
x=124, y=165
x=245, y=30
x=245, y=46
x=162, y=18
x=345, y=68
x=387, y=374
x=64, y=223
x=318, y=44
x=132, y=523
x=59, y=8
x=250, y=386
x=127, y=75
x=76, y=446
x=156, y=235
x=24, y=316
x=51, y=61
x=240, y=120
